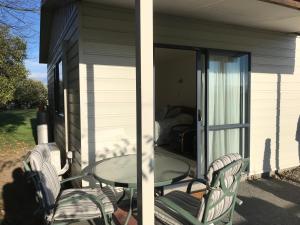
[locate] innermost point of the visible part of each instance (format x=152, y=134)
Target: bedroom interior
x=175, y=102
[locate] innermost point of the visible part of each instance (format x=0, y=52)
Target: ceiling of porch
x=249, y=13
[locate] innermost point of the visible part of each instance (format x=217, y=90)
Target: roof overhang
x=273, y=15
x=294, y=4
x=47, y=9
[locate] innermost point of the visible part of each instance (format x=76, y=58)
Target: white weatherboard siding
x=107, y=81
x=107, y=89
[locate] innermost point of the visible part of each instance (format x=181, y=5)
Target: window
x=59, y=89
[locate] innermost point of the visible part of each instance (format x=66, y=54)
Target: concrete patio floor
x=266, y=202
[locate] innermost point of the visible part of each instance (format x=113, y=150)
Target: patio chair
x=71, y=205
x=217, y=204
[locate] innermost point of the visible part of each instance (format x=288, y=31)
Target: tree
x=12, y=68
x=17, y=15
x=6, y=91
x=12, y=54
x=30, y=93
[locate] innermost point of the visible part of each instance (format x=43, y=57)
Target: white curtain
x=224, y=104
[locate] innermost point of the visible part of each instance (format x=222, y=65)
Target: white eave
x=249, y=13
x=259, y=14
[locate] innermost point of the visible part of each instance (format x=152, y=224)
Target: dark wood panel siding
x=65, y=27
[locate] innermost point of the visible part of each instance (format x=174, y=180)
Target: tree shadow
x=9, y=122
x=282, y=189
x=19, y=198
x=33, y=123
x=256, y=211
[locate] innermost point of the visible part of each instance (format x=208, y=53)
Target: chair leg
x=230, y=216
x=110, y=216
x=105, y=217
x=108, y=219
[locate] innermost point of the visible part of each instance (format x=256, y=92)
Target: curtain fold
x=224, y=104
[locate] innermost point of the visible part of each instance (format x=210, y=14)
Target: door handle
x=199, y=115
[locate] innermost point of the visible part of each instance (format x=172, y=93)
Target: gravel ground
x=291, y=175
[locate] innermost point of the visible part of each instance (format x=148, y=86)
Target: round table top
x=121, y=171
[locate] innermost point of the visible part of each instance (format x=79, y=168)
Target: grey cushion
x=163, y=215
x=70, y=208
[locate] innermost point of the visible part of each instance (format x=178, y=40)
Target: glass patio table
x=121, y=172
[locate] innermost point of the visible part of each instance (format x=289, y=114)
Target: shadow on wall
x=268, y=150
x=91, y=126
x=19, y=200
x=125, y=148
x=278, y=108
x=298, y=137
x=267, y=158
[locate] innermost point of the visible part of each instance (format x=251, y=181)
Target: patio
x=266, y=202
x=115, y=83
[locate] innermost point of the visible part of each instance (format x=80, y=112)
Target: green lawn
x=16, y=129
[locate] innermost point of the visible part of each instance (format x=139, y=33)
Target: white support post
x=145, y=111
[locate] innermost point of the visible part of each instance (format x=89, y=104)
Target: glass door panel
x=227, y=101
x=223, y=142
x=224, y=90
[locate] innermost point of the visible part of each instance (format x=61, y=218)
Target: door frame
x=207, y=128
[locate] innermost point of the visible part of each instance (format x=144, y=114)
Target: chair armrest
x=180, y=211
x=199, y=180
x=64, y=169
x=74, y=178
x=67, y=165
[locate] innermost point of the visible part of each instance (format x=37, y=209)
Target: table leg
x=130, y=207
x=122, y=197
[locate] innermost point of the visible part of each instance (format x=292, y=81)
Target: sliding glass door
x=223, y=102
